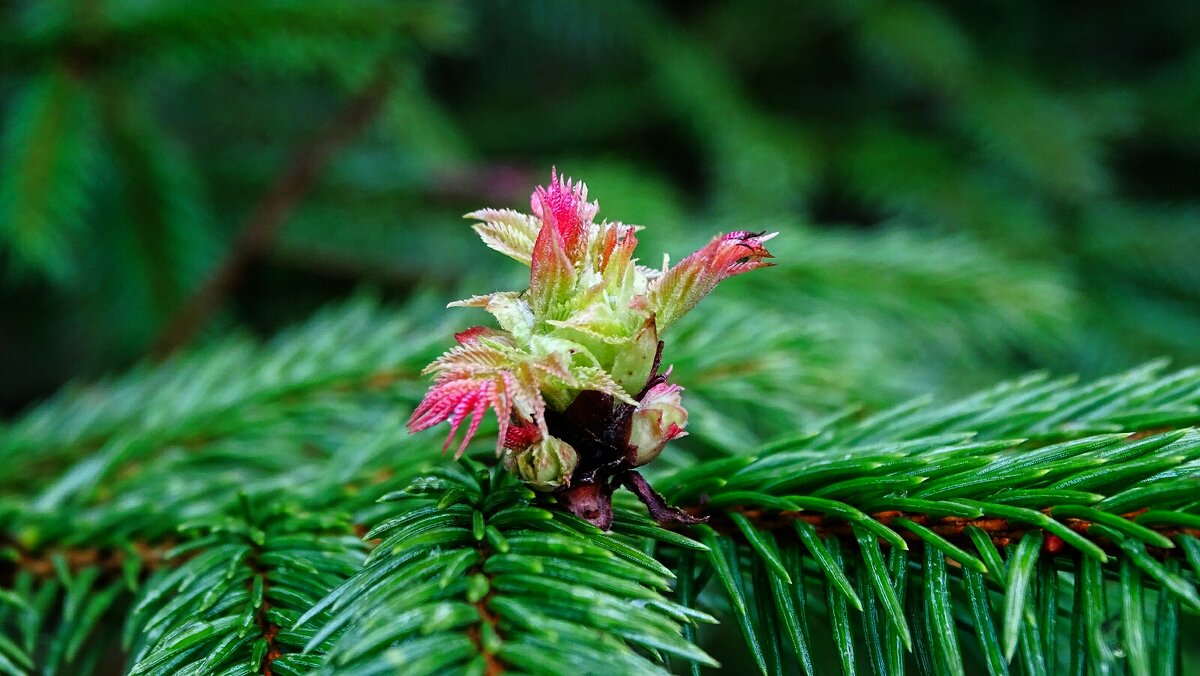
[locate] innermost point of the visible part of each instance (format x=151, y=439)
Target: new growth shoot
x=574, y=373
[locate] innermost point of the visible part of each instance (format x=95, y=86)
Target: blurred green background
x=965, y=191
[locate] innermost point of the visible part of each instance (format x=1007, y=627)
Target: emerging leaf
x=507, y=231
x=679, y=288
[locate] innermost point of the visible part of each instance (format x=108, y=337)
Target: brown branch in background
x=262, y=227
x=110, y=561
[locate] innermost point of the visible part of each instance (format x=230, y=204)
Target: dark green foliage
x=1022, y=191
x=937, y=465
x=49, y=162
x=105, y=199
x=227, y=529
x=473, y=573
x=965, y=192
x=235, y=598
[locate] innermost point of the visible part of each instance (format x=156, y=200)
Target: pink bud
x=544, y=465
x=564, y=206
x=521, y=435
x=659, y=418
x=551, y=275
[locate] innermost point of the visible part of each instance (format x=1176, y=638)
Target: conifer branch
x=511, y=585
x=331, y=434
x=111, y=561
x=1015, y=491
x=1002, y=532
x=492, y=665
x=268, y=630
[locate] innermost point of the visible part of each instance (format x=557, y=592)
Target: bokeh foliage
x=987, y=187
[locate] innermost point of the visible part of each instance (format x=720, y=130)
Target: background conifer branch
x=262, y=226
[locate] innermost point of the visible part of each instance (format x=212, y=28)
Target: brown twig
x=492, y=665
x=267, y=629
x=110, y=561
x=264, y=223
x=1001, y=531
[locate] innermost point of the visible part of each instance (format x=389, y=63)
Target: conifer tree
x=859, y=474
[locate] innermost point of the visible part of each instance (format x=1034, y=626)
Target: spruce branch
x=221, y=395
x=932, y=476
x=247, y=578
x=1094, y=488
x=474, y=573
